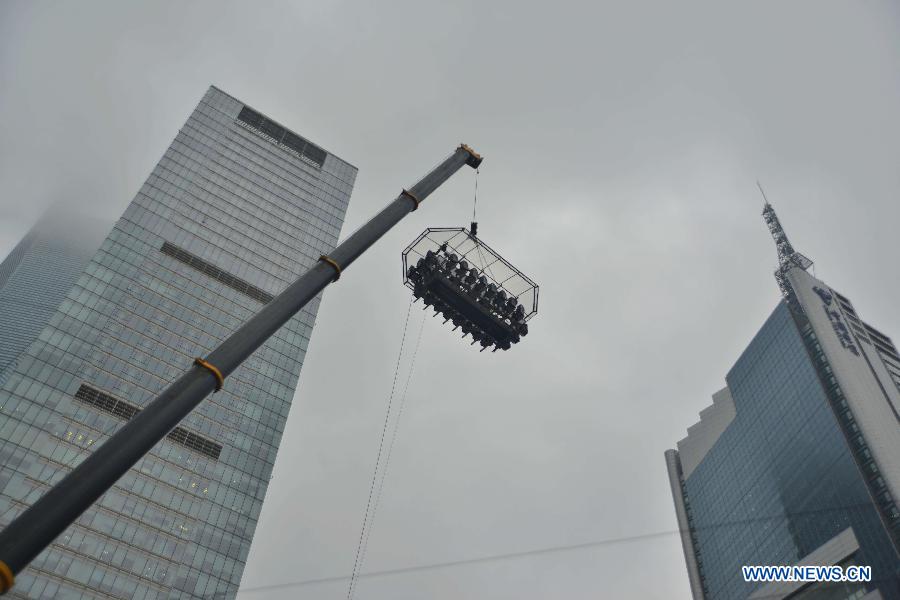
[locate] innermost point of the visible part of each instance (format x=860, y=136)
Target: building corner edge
x=676, y=481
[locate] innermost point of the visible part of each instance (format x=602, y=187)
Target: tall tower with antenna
x=788, y=258
x=797, y=460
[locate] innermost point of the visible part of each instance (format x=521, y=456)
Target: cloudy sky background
x=622, y=142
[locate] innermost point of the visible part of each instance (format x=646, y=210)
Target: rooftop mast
x=788, y=258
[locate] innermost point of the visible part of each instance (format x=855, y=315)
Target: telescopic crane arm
x=36, y=528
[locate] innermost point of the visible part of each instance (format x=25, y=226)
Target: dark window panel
x=127, y=411
x=250, y=117
x=317, y=155
x=288, y=139
x=294, y=142
x=216, y=273
x=272, y=129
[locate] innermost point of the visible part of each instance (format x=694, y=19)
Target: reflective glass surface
x=179, y=524
x=36, y=276
x=780, y=481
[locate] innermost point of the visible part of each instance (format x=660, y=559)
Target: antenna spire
x=788, y=258
x=763, y=192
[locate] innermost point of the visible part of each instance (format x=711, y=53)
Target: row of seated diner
x=508, y=312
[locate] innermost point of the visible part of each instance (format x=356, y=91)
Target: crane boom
x=36, y=528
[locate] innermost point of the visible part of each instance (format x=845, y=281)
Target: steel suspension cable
x=475, y=203
x=356, y=563
x=390, y=450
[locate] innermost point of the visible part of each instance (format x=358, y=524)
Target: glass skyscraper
x=237, y=208
x=797, y=461
x=38, y=273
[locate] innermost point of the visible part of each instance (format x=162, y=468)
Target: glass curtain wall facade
x=237, y=208
x=797, y=461
x=780, y=480
x=36, y=276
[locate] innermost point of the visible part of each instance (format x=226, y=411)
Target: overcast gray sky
x=622, y=143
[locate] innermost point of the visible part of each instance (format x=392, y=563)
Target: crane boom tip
x=474, y=158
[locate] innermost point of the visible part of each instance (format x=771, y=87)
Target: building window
x=223, y=277
x=282, y=136
x=126, y=411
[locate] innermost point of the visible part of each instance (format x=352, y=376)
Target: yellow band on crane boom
x=412, y=197
x=220, y=381
x=337, y=268
x=7, y=579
